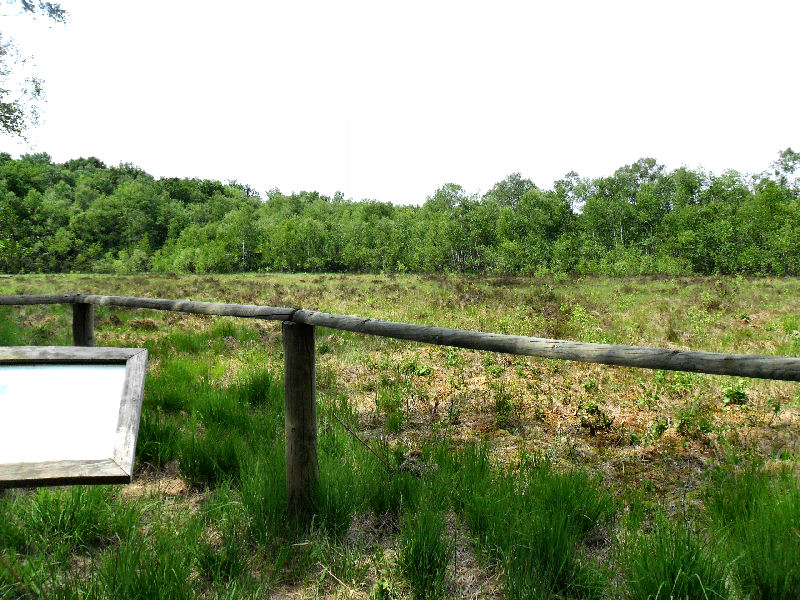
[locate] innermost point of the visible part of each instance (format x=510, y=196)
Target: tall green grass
x=672, y=561
x=426, y=550
x=75, y=518
x=159, y=438
x=534, y=523
x=759, y=515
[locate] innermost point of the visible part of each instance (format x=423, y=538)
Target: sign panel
x=69, y=414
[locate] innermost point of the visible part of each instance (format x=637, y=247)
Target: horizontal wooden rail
x=28, y=299
x=717, y=363
x=219, y=309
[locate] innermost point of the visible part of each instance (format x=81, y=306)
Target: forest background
x=85, y=216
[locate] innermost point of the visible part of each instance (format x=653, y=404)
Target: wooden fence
x=299, y=359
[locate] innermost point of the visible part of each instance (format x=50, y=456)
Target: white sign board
x=69, y=414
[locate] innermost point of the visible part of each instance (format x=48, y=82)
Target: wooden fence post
x=301, y=419
x=83, y=324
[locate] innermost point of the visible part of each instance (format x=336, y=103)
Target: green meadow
x=496, y=476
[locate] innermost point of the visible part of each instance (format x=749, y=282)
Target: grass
x=534, y=523
x=426, y=551
x=508, y=476
x=672, y=561
x=759, y=513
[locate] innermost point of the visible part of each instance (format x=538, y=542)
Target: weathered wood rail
x=299, y=377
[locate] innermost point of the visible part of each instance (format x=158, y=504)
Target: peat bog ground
x=510, y=476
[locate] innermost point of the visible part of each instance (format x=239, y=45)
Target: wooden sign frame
x=117, y=468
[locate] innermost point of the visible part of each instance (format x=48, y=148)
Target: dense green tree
x=509, y=191
x=85, y=216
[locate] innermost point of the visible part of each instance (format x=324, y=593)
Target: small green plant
x=383, y=589
x=791, y=325
x=412, y=367
x=734, y=394
x=503, y=407
x=694, y=420
x=453, y=357
x=389, y=402
x=594, y=418
x=657, y=429
x=493, y=368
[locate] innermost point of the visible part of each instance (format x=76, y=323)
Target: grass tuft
x=426, y=551
x=75, y=518
x=534, y=524
x=672, y=562
x=159, y=438
x=759, y=515
x=210, y=456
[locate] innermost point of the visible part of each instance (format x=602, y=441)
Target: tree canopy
x=20, y=93
x=83, y=215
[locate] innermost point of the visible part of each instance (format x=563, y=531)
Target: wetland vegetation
x=510, y=476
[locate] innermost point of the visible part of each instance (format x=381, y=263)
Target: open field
x=512, y=476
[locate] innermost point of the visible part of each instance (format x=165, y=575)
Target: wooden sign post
x=69, y=415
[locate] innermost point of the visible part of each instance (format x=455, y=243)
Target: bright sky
x=391, y=100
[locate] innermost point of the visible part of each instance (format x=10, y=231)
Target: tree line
x=85, y=216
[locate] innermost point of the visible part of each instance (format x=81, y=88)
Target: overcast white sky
x=391, y=100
